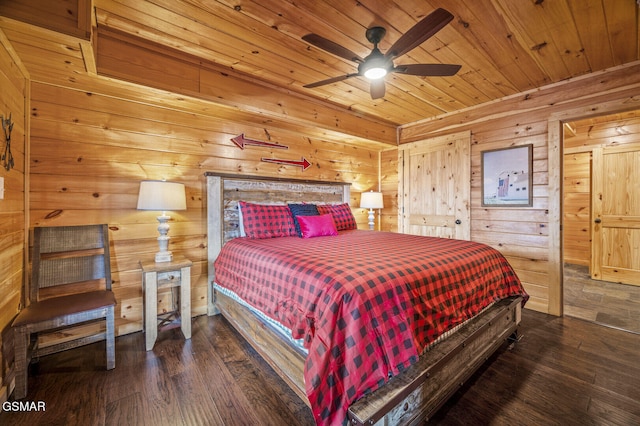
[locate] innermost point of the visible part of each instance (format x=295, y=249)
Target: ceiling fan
x=376, y=65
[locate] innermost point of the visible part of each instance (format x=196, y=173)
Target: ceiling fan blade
x=377, y=88
x=332, y=47
x=428, y=70
x=330, y=80
x=420, y=32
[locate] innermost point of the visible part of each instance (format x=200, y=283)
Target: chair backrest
x=69, y=259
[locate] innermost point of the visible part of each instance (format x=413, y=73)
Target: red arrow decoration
x=302, y=163
x=241, y=142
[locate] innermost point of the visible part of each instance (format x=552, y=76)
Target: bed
x=382, y=336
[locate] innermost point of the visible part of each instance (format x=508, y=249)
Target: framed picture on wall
x=507, y=177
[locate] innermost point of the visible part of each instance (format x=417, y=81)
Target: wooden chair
x=70, y=285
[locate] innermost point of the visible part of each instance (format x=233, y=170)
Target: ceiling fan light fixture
x=375, y=66
x=374, y=73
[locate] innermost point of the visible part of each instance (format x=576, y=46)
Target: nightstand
x=176, y=273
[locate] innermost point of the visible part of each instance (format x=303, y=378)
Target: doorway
x=607, y=303
x=439, y=164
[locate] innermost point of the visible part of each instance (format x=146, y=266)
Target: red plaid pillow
x=342, y=215
x=266, y=221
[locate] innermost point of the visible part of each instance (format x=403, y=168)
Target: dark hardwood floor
x=606, y=303
x=564, y=371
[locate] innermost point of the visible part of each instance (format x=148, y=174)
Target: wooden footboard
x=409, y=398
x=419, y=392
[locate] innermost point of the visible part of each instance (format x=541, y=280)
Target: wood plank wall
x=131, y=59
x=527, y=236
x=71, y=17
x=389, y=187
x=581, y=137
x=14, y=84
x=91, y=146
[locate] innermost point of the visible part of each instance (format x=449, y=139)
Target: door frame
x=555, y=148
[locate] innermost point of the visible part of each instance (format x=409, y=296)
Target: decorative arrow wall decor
x=7, y=156
x=301, y=163
x=241, y=142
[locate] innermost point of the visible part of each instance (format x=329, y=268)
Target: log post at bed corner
x=215, y=231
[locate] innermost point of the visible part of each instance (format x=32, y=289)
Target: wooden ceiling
x=504, y=46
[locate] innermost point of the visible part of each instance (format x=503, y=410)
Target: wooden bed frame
x=409, y=398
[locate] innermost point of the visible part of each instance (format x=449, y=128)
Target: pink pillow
x=317, y=226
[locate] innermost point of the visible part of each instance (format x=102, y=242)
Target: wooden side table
x=165, y=275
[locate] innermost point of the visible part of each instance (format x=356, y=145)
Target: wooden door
x=435, y=187
x=615, y=227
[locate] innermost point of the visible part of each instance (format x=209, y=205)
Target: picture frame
x=507, y=177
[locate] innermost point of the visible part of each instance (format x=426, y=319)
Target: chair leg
x=21, y=344
x=110, y=339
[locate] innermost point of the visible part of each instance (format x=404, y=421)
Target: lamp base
x=165, y=256
x=371, y=219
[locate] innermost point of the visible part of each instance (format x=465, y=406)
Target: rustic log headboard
x=224, y=191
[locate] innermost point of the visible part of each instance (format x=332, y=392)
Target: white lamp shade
x=371, y=200
x=160, y=195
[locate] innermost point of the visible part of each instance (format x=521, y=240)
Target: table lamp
x=162, y=196
x=371, y=200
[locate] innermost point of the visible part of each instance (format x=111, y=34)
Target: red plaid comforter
x=366, y=303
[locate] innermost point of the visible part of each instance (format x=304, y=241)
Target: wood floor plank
x=125, y=411
x=564, y=371
x=611, y=304
x=554, y=375
x=224, y=389
x=252, y=375
x=161, y=404
x=195, y=402
x=226, y=393
x=612, y=413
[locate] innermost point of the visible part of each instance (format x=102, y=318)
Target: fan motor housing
x=375, y=34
